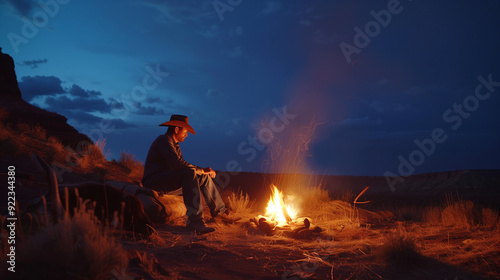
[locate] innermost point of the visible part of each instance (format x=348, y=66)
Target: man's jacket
x=164, y=154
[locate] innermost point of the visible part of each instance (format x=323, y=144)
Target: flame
x=277, y=210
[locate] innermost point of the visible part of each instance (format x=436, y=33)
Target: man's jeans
x=191, y=184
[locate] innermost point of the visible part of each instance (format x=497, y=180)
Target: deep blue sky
x=231, y=70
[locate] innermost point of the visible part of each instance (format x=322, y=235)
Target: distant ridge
x=19, y=110
x=481, y=185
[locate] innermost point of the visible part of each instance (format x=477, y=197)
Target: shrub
x=54, y=150
x=432, y=215
x=136, y=167
x=10, y=146
x=75, y=248
x=240, y=203
x=93, y=156
x=400, y=251
x=457, y=212
x=489, y=217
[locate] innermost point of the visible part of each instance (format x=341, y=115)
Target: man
x=165, y=170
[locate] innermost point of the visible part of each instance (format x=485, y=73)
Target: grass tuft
x=240, y=203
x=74, y=248
x=136, y=167
x=400, y=250
x=93, y=156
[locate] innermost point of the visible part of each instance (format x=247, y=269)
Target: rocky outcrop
x=8, y=79
x=20, y=111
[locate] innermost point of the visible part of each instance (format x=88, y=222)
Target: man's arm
x=173, y=158
x=209, y=171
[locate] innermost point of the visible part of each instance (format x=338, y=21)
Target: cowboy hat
x=180, y=121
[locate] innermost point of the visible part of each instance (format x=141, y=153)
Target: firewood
x=267, y=227
x=304, y=221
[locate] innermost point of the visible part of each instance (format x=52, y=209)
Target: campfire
x=277, y=210
x=282, y=215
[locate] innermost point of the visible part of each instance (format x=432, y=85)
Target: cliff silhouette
x=20, y=111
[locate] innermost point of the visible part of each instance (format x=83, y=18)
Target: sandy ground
x=343, y=250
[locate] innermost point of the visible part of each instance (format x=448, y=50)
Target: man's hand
x=209, y=171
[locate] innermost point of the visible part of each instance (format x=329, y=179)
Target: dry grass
x=27, y=139
x=75, y=248
x=240, y=203
x=432, y=215
x=458, y=212
x=149, y=265
x=400, y=250
x=490, y=218
x=8, y=143
x=136, y=167
x=93, y=156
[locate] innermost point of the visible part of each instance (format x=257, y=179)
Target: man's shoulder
x=163, y=139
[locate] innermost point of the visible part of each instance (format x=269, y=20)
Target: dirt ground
x=343, y=250
x=352, y=245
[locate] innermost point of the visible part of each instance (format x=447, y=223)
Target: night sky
x=396, y=87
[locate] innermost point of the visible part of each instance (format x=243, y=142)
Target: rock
x=8, y=79
x=19, y=110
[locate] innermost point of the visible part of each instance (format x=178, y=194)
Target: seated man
x=165, y=170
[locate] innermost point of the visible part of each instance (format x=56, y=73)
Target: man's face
x=181, y=134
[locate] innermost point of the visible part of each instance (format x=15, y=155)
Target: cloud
x=77, y=91
x=64, y=104
x=148, y=110
x=33, y=63
x=119, y=108
x=76, y=103
x=152, y=100
x=23, y=7
x=271, y=7
x=32, y=86
x=89, y=121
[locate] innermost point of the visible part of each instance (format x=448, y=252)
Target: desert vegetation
x=454, y=239
x=354, y=244
x=84, y=158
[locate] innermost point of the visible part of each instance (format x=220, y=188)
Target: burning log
x=281, y=217
x=306, y=222
x=262, y=224
x=301, y=228
x=267, y=227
